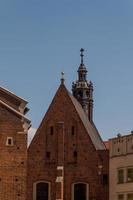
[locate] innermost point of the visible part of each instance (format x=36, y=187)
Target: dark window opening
x=84, y=77
x=87, y=94
x=81, y=76
x=51, y=130
x=80, y=191
x=9, y=141
x=75, y=156
x=130, y=175
x=42, y=191
x=105, y=179
x=120, y=175
x=80, y=94
x=73, y=130
x=48, y=155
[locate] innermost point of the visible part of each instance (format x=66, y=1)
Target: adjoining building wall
x=13, y=148
x=121, y=168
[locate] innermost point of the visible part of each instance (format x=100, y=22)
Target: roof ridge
x=13, y=94
x=95, y=137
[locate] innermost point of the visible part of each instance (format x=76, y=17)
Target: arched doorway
x=41, y=191
x=80, y=191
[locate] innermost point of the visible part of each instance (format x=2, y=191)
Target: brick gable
x=68, y=145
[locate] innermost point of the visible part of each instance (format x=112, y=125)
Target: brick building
x=67, y=159
x=13, y=146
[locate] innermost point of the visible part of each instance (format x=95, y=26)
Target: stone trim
x=59, y=179
x=15, y=111
x=60, y=167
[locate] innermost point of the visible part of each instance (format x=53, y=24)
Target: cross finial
x=62, y=77
x=82, y=55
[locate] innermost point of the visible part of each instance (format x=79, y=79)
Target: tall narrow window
x=105, y=179
x=73, y=130
x=120, y=176
x=51, y=130
x=80, y=191
x=75, y=156
x=42, y=191
x=80, y=94
x=130, y=175
x=9, y=141
x=48, y=154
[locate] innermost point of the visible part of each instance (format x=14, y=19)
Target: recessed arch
x=42, y=190
x=80, y=190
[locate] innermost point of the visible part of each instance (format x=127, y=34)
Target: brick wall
x=72, y=149
x=13, y=158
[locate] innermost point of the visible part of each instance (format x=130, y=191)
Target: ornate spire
x=83, y=90
x=82, y=56
x=82, y=72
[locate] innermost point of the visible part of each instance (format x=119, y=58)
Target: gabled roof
x=91, y=130
x=15, y=111
x=13, y=101
x=13, y=95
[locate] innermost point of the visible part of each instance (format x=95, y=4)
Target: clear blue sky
x=40, y=38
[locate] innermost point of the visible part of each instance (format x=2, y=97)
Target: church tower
x=83, y=90
x=67, y=159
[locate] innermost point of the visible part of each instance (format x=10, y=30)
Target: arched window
x=41, y=191
x=87, y=93
x=80, y=191
x=80, y=94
